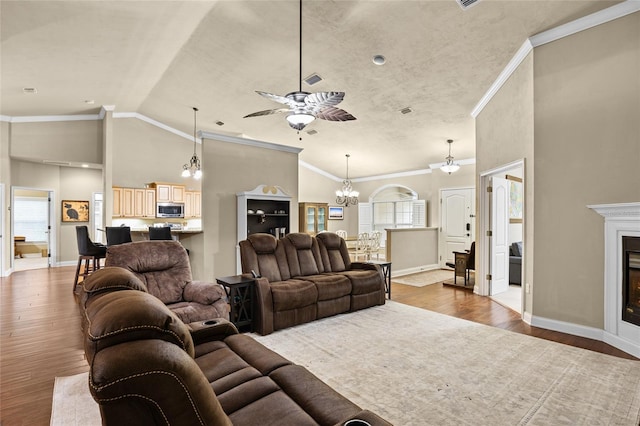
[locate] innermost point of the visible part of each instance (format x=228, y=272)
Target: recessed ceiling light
x=379, y=60
x=30, y=90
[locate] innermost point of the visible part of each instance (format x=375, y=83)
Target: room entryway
x=31, y=228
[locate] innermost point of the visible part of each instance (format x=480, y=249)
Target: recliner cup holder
x=212, y=322
x=357, y=422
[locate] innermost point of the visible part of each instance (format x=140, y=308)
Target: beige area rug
x=417, y=367
x=422, y=279
x=72, y=402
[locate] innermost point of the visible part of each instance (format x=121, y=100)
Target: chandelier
x=347, y=196
x=193, y=167
x=450, y=166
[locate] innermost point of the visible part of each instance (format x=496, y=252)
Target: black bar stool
x=89, y=252
x=118, y=235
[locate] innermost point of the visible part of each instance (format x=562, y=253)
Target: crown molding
x=393, y=175
x=598, y=18
x=249, y=142
x=319, y=171
x=156, y=123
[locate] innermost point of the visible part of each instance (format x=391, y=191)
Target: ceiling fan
x=304, y=107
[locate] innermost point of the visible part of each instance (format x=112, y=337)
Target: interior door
x=499, y=263
x=457, y=214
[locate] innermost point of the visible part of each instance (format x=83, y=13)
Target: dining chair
x=342, y=233
x=374, y=244
x=363, y=246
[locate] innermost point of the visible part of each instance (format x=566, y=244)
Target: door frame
x=52, y=218
x=483, y=246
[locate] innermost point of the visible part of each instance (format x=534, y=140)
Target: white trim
x=155, y=123
x=49, y=118
x=5, y=118
x=249, y=142
x=392, y=175
x=586, y=22
x=414, y=270
x=622, y=344
x=511, y=67
x=318, y=171
x=567, y=327
x=527, y=317
x=598, y=18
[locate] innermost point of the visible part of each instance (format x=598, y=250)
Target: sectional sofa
x=147, y=367
x=301, y=278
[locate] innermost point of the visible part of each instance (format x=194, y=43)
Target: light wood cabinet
x=313, y=217
x=134, y=202
x=192, y=204
x=144, y=203
x=169, y=193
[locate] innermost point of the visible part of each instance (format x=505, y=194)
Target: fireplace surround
x=621, y=232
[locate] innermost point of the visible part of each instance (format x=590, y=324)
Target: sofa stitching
x=99, y=388
x=94, y=337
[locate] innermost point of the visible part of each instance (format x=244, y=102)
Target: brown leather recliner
x=164, y=268
x=147, y=367
x=304, y=278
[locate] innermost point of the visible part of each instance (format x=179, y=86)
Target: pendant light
x=450, y=166
x=193, y=167
x=347, y=196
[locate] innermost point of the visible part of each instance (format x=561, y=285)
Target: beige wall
x=5, y=179
x=231, y=168
x=571, y=111
x=504, y=134
x=412, y=250
x=587, y=151
x=71, y=141
x=144, y=153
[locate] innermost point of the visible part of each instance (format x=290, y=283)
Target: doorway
x=31, y=228
x=502, y=206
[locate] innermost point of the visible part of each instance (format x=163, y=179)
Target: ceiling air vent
x=466, y=4
x=220, y=123
x=29, y=90
x=406, y=110
x=313, y=79
x=312, y=132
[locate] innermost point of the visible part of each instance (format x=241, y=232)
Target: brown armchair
x=164, y=268
x=464, y=262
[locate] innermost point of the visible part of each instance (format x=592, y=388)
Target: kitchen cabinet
x=144, y=202
x=313, y=217
x=169, y=193
x=133, y=202
x=192, y=204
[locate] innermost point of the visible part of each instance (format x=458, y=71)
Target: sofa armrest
x=263, y=307
x=364, y=265
x=371, y=418
x=211, y=330
x=202, y=292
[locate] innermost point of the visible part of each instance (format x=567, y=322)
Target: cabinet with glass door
x=313, y=217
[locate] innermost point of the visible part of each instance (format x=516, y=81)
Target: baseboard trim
x=414, y=270
x=584, y=331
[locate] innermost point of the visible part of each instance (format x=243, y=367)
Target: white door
x=499, y=266
x=457, y=214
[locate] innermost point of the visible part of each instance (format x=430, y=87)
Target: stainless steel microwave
x=170, y=210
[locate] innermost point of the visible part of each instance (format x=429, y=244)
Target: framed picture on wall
x=336, y=212
x=75, y=211
x=515, y=199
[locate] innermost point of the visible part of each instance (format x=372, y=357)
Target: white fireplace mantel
x=619, y=220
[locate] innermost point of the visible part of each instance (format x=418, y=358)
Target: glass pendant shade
x=450, y=166
x=192, y=168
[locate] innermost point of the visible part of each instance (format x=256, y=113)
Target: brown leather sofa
x=164, y=268
x=304, y=278
x=147, y=367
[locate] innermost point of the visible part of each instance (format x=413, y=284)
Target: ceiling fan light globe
x=450, y=168
x=300, y=118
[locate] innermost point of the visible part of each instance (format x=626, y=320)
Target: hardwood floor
x=40, y=334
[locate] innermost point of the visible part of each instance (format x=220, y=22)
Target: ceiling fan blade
x=268, y=112
x=276, y=98
x=320, y=100
x=334, y=114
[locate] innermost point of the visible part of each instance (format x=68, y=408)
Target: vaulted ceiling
x=161, y=58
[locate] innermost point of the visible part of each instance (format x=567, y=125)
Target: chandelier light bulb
x=347, y=196
x=192, y=168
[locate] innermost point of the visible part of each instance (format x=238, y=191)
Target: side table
x=386, y=272
x=240, y=294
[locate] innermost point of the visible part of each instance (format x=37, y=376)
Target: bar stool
x=161, y=233
x=89, y=252
x=118, y=235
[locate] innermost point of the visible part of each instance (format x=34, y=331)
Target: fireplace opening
x=631, y=280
